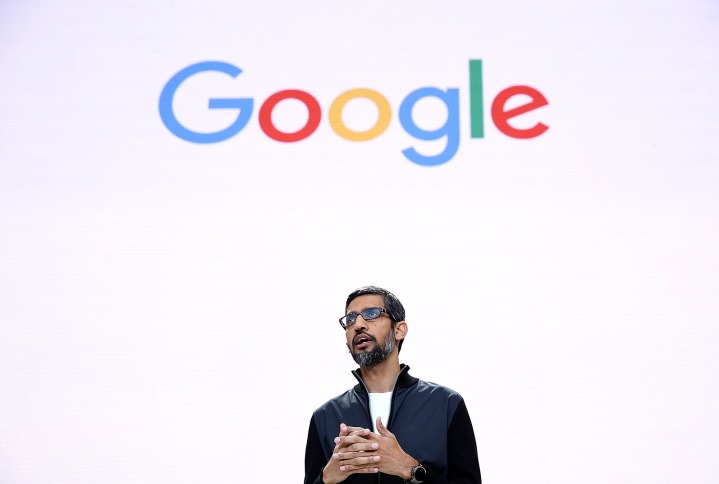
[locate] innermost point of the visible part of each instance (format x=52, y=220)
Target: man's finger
x=360, y=470
x=344, y=441
x=347, y=452
x=362, y=447
x=382, y=429
x=347, y=430
x=357, y=458
x=359, y=431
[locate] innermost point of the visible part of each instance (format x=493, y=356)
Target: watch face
x=419, y=473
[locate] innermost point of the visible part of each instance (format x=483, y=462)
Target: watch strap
x=419, y=474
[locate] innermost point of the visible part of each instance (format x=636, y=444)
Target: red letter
x=313, y=118
x=500, y=116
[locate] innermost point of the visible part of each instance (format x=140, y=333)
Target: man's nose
x=360, y=323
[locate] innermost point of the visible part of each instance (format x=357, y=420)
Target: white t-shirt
x=379, y=404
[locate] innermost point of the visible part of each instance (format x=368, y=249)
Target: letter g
x=168, y=94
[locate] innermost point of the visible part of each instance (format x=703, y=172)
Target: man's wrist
x=410, y=464
x=418, y=476
x=324, y=477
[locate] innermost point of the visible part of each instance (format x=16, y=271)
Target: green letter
x=476, y=99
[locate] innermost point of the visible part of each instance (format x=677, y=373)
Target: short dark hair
x=394, y=308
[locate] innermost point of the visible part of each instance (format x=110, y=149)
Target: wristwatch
x=419, y=474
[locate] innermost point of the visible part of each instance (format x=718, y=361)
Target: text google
x=500, y=112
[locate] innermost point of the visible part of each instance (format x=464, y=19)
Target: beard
x=378, y=354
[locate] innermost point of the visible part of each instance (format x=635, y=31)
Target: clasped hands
x=361, y=451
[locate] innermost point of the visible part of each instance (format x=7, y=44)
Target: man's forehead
x=366, y=301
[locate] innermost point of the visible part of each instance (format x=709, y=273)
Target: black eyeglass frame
x=362, y=313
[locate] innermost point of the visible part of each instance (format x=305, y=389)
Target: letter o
x=313, y=118
x=338, y=105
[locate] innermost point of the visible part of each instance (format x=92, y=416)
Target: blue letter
x=168, y=115
x=450, y=128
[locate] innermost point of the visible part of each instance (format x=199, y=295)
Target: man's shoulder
x=414, y=384
x=437, y=389
x=342, y=400
x=436, y=395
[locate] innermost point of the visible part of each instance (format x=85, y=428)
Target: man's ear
x=400, y=330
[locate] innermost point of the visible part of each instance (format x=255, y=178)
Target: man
x=349, y=439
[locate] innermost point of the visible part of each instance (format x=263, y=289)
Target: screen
x=190, y=190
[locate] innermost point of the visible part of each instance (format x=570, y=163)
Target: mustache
x=363, y=333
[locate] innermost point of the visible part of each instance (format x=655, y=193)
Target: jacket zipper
x=369, y=415
x=391, y=406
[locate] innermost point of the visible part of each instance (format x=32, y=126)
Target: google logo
x=500, y=112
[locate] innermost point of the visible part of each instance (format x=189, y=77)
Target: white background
x=168, y=310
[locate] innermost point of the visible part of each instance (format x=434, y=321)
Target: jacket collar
x=404, y=379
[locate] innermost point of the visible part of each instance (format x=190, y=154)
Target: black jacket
x=430, y=422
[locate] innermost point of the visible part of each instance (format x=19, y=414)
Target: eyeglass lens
x=367, y=314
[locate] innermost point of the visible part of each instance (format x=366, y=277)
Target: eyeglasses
x=367, y=314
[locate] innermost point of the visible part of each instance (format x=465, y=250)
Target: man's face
x=369, y=342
